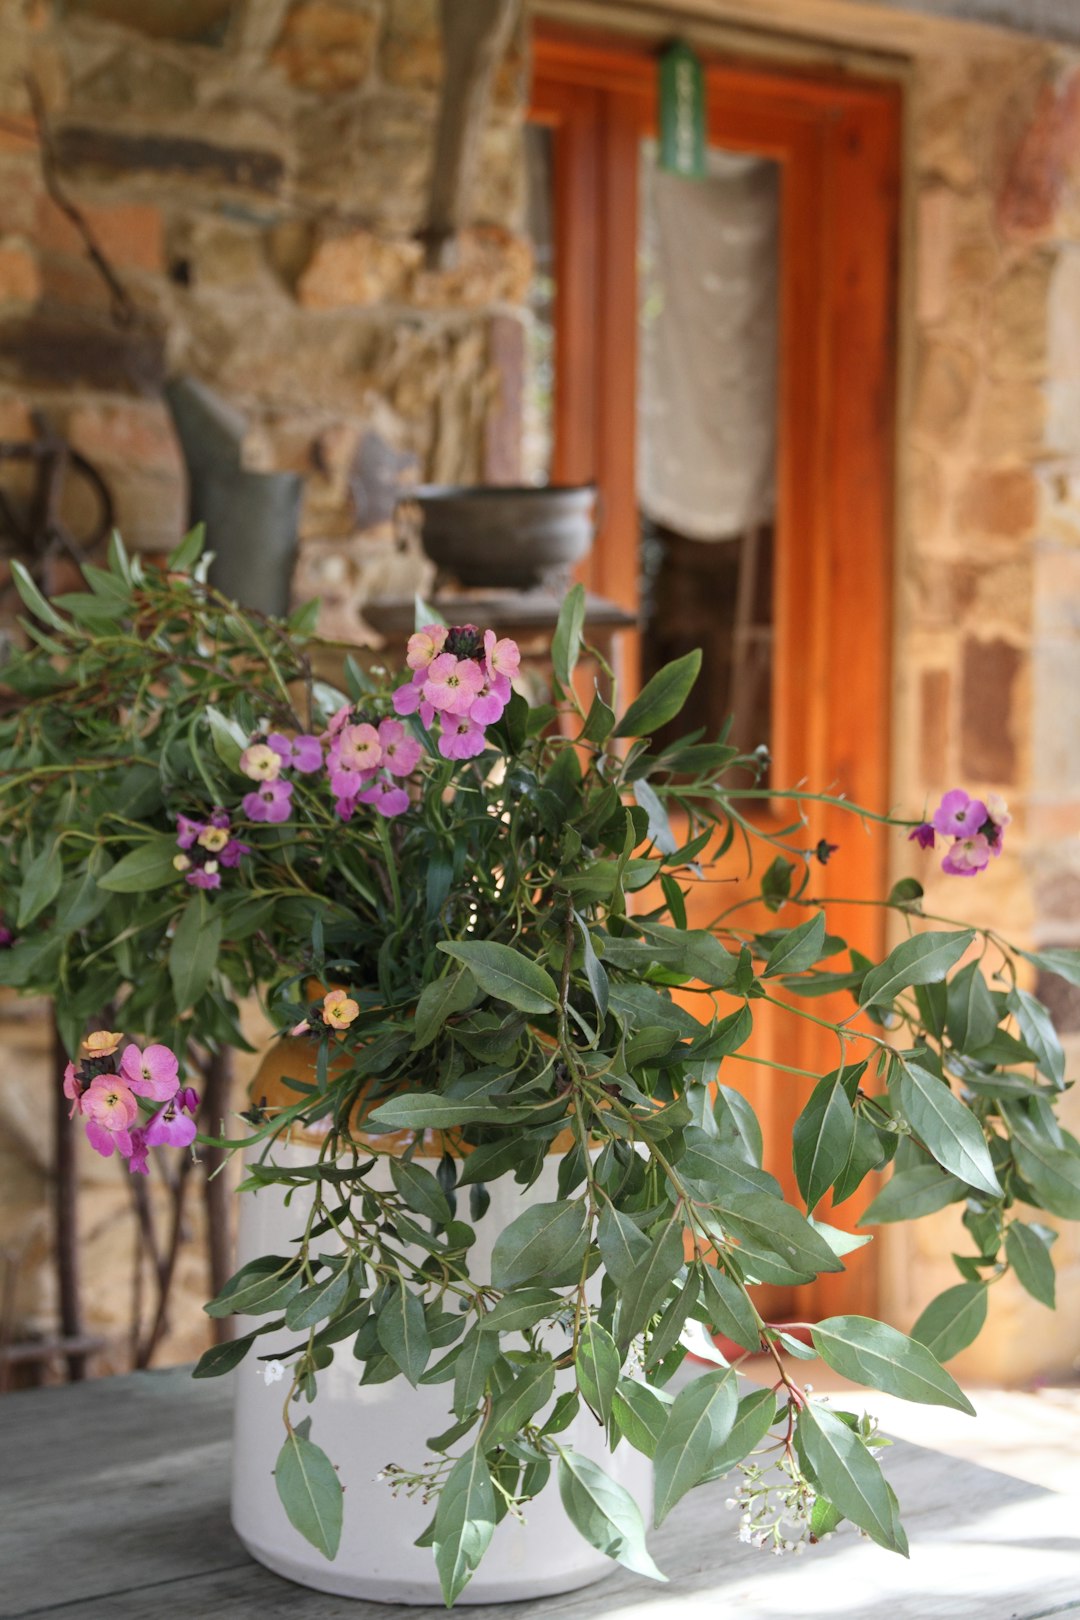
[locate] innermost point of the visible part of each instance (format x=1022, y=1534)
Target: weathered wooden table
x=113, y=1506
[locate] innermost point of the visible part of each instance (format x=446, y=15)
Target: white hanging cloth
x=708, y=278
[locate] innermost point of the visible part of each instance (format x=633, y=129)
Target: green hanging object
x=682, y=112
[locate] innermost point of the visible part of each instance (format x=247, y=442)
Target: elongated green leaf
x=594, y=969
x=798, y=949
x=464, y=1522
x=950, y=1322
x=41, y=884
x=1066, y=963
x=873, y=1353
x=522, y=1308
x=699, y=1422
x=263, y=1285
x=1029, y=1257
x=403, y=1333
x=505, y=974
x=539, y=1245
x=605, y=1514
x=148, y=866
x=438, y=1001
x=971, y=1017
x=754, y=1417
x=1052, y=1173
x=661, y=698
x=228, y=738
x=776, y=1243
x=923, y=960
x=428, y=1110
x=848, y=1475
x=420, y=1190
x=622, y=1243
x=821, y=1138
x=519, y=1403
x=911, y=1193
x=34, y=600
x=194, y=951
x=644, y=1290
x=946, y=1128
x=597, y=1366
x=730, y=1312
x=320, y=1300
x=566, y=642
x=310, y=1492
x=222, y=1358
x=640, y=1414
x=1037, y=1029
x=659, y=826
x=188, y=552
x=475, y=1359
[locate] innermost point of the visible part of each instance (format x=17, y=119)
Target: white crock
x=363, y=1427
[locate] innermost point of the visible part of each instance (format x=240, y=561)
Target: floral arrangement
x=475, y=916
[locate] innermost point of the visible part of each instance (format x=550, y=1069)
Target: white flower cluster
x=775, y=1506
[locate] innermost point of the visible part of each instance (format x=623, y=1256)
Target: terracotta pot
x=363, y=1427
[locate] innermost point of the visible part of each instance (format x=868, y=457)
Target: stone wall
x=255, y=172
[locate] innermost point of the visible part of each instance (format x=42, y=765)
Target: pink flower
x=400, y=753
x=958, y=814
x=74, y=1089
x=425, y=645
x=501, y=657
x=345, y=806
x=138, y=1162
x=187, y=831
x=187, y=1097
x=339, y=719
x=923, y=835
x=231, y=854
x=272, y=802
x=453, y=684
x=168, y=1128
x=261, y=763
x=153, y=1073
x=409, y=698
x=7, y=936
x=461, y=739
x=110, y=1110
x=356, y=748
x=205, y=877
x=347, y=784
x=967, y=856
x=386, y=799
x=303, y=754
x=491, y=700
x=997, y=819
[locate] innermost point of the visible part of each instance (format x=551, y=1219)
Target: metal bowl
x=506, y=536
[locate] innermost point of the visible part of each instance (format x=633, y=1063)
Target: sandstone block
x=935, y=238
x=20, y=274
x=494, y=267
x=1018, y=318
x=944, y=388
x=371, y=155
x=132, y=81
x=192, y=22
x=1004, y=501
x=126, y=435
x=411, y=54
x=131, y=233
x=990, y=670
x=327, y=45
x=1012, y=418
x=934, y=725
x=359, y=268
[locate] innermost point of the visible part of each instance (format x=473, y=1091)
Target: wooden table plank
x=113, y=1505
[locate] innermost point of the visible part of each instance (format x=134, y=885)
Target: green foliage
x=520, y=947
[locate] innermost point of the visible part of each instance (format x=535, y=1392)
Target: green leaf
x=594, y=971
x=1052, y=1173
x=597, y=1366
x=640, y=1414
x=660, y=831
x=604, y=1514
x=1029, y=1256
x=1037, y=1029
x=621, y=1242
x=464, y=1522
x=754, y=1417
x=420, y=1190
x=848, y=1475
x=540, y=1245
x=262, y=1286
x=911, y=1193
x=478, y=1354
x=661, y=698
x=870, y=1352
x=320, y=1300
x=952, y=1321
x=821, y=1138
x=947, y=1129
x=148, y=866
x=34, y=600
x=730, y=1312
x=505, y=974
x=970, y=1017
x=310, y=1492
x=438, y=1001
x=522, y=1308
x=403, y=1333
x=1066, y=963
x=923, y=960
x=188, y=552
x=599, y=721
x=797, y=949
x=566, y=642
x=699, y=1422
x=775, y=1241
x=222, y=1358
x=228, y=738
x=193, y=952
x=643, y=1292
x=430, y=1111
x=518, y=1404
x=41, y=883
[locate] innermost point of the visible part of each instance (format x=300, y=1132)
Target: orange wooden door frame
x=837, y=141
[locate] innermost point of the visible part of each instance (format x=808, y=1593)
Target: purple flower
x=167, y=1128
x=408, y=699
x=187, y=831
x=231, y=854
x=491, y=700
x=204, y=877
x=967, y=856
x=153, y=1073
x=270, y=801
x=138, y=1162
x=187, y=1097
x=461, y=738
x=7, y=936
x=400, y=753
x=959, y=815
x=923, y=835
x=345, y=806
x=387, y=799
x=303, y=754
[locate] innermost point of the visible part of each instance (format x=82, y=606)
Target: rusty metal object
x=41, y=531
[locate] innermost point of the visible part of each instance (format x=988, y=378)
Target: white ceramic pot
x=363, y=1427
